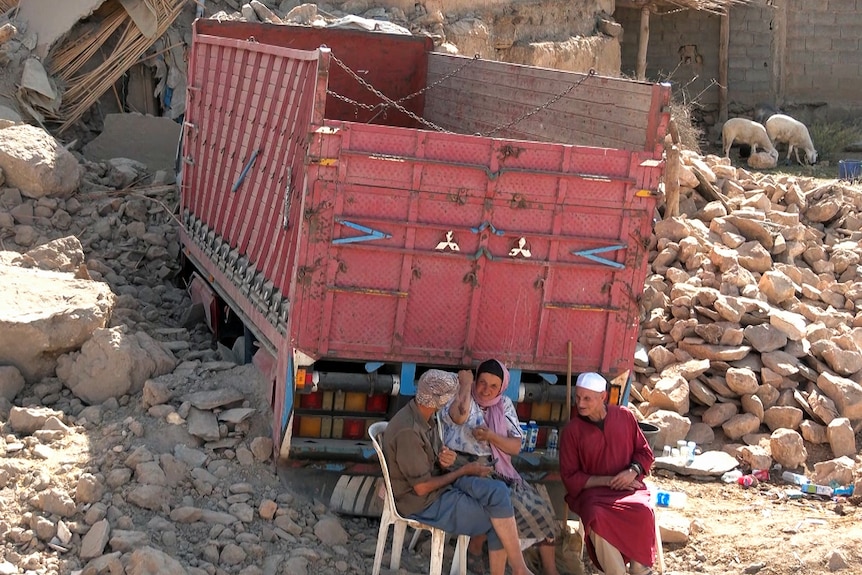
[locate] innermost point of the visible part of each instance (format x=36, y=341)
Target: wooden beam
x=671, y=181
x=723, y=44
x=779, y=45
x=643, y=42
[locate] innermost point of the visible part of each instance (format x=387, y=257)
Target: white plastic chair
x=390, y=516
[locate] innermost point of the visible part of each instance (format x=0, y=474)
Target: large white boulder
x=36, y=163
x=44, y=314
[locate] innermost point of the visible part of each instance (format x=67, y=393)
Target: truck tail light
x=302, y=379
x=353, y=429
x=311, y=400
x=377, y=403
x=309, y=426
x=541, y=411
x=355, y=401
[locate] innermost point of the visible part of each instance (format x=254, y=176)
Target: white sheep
x=745, y=131
x=781, y=128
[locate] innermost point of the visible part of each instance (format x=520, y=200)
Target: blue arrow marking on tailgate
x=591, y=255
x=370, y=234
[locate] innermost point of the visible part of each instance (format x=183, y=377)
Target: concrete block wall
x=799, y=54
x=669, y=35
x=751, y=71
x=823, y=53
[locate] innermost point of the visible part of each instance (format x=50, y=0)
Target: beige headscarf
x=436, y=387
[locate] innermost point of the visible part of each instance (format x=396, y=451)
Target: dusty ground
x=758, y=530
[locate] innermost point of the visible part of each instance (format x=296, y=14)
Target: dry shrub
x=689, y=135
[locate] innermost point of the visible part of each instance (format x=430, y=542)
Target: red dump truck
x=369, y=208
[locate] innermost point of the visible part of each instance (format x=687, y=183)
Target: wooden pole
x=723, y=43
x=671, y=182
x=643, y=42
x=569, y=380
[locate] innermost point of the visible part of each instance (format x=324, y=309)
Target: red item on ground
x=748, y=480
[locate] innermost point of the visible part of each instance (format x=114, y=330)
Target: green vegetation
x=830, y=139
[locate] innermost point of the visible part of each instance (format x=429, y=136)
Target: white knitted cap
x=592, y=381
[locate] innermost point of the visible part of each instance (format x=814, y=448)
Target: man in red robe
x=603, y=458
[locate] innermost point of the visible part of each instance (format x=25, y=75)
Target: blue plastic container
x=849, y=169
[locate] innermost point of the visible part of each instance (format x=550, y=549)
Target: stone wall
x=551, y=33
x=751, y=71
x=804, y=55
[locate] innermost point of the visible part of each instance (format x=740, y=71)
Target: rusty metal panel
x=448, y=249
x=395, y=64
x=244, y=139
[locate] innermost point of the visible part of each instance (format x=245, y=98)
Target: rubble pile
x=753, y=315
x=127, y=443
x=130, y=445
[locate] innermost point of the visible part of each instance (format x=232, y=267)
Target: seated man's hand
x=478, y=469
x=446, y=458
x=625, y=479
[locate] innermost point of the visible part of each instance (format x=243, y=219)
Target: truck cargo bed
x=379, y=226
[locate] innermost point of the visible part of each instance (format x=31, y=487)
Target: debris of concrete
x=154, y=144
x=50, y=20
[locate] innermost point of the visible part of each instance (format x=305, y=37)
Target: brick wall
x=823, y=53
x=799, y=54
x=750, y=67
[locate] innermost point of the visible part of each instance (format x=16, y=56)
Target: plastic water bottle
x=682, y=450
x=553, y=442
x=670, y=498
x=795, y=478
x=732, y=476
x=532, y=435
x=691, y=449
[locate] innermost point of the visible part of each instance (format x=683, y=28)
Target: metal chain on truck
x=544, y=106
x=388, y=102
x=454, y=72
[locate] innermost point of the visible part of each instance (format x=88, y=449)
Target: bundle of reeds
x=110, y=26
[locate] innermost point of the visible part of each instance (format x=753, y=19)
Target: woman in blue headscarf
x=479, y=423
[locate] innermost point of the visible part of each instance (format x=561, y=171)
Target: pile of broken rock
x=752, y=317
x=128, y=444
